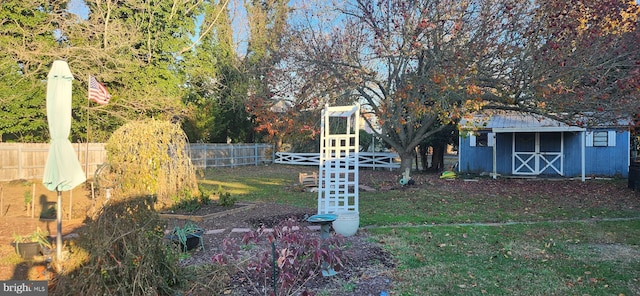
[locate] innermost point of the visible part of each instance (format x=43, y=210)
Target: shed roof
x=502, y=121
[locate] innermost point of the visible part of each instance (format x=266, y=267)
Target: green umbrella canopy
x=62, y=171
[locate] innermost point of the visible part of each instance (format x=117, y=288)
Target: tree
x=438, y=143
x=409, y=62
x=137, y=46
x=131, y=46
x=267, y=27
x=217, y=82
x=587, y=59
x=28, y=46
x=419, y=65
x=152, y=157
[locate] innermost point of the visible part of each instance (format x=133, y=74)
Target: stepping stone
x=215, y=231
x=314, y=227
x=366, y=188
x=71, y=235
x=240, y=230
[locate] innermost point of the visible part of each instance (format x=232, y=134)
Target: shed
x=513, y=143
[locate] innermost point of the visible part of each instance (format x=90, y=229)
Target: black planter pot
x=193, y=241
x=27, y=250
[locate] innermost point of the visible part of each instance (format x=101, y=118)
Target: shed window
x=482, y=139
x=600, y=139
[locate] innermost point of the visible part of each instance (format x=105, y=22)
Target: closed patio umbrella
x=62, y=171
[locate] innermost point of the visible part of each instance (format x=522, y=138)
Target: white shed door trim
x=530, y=158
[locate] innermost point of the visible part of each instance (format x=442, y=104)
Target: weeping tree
x=152, y=157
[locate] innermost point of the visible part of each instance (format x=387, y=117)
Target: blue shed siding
x=474, y=160
x=573, y=154
x=599, y=161
x=609, y=161
x=503, y=154
x=480, y=159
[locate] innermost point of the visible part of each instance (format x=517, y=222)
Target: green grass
x=434, y=206
x=274, y=184
x=527, y=259
x=560, y=250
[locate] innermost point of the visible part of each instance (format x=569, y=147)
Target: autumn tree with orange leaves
x=419, y=65
x=282, y=119
x=574, y=61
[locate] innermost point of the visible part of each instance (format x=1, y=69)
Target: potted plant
x=31, y=245
x=187, y=236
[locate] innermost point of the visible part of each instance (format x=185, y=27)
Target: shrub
x=188, y=203
x=151, y=157
x=296, y=252
x=227, y=200
x=126, y=254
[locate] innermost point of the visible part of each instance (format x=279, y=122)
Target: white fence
x=26, y=160
x=366, y=159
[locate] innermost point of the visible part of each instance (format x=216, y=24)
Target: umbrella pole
x=59, y=232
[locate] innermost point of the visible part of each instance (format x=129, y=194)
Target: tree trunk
x=437, y=158
x=278, y=143
x=406, y=159
x=424, y=150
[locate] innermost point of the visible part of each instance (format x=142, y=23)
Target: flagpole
x=86, y=155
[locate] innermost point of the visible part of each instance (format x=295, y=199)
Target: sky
x=237, y=11
x=238, y=14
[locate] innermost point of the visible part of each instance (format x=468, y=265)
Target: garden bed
x=210, y=211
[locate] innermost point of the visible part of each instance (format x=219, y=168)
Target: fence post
x=20, y=176
x=233, y=156
x=255, y=149
x=205, y=146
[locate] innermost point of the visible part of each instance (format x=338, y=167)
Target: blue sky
x=238, y=14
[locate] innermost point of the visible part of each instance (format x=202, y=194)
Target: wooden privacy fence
x=366, y=159
x=27, y=160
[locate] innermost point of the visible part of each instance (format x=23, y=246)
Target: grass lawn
x=544, y=237
x=597, y=258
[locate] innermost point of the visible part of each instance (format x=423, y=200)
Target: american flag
x=97, y=92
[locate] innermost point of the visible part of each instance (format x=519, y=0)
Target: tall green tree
x=28, y=45
x=217, y=82
x=138, y=42
x=131, y=46
x=267, y=28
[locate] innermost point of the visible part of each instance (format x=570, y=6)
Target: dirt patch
x=18, y=217
x=625, y=254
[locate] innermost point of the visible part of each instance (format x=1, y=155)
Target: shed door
x=537, y=153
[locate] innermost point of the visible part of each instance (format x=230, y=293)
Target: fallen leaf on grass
x=570, y=284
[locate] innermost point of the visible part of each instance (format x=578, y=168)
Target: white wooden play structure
x=338, y=169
